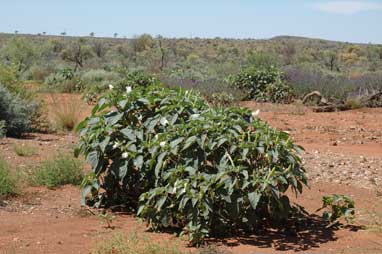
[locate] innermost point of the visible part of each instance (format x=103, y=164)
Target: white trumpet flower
x=256, y=113
x=125, y=155
x=111, y=87
x=116, y=145
x=128, y=89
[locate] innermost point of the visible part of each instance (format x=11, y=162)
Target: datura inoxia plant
x=176, y=162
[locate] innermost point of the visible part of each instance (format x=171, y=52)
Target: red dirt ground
x=343, y=155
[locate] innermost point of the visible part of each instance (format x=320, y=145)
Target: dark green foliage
x=263, y=85
x=58, y=171
x=16, y=113
x=181, y=163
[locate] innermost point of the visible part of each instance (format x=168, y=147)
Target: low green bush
x=16, y=113
x=8, y=185
x=179, y=163
x=263, y=85
x=61, y=170
x=337, y=207
x=25, y=150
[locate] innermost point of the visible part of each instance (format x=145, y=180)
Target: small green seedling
x=108, y=219
x=337, y=207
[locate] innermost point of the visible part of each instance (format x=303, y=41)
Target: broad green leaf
x=254, y=199
x=129, y=133
x=159, y=164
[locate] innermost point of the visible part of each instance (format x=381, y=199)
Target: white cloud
x=348, y=7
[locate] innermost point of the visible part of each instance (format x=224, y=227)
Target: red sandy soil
x=343, y=155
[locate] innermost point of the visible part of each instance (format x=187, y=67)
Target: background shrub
x=65, y=81
x=2, y=129
x=333, y=86
x=135, y=78
x=61, y=170
x=222, y=99
x=16, y=112
x=263, y=85
x=181, y=163
x=25, y=150
x=98, y=80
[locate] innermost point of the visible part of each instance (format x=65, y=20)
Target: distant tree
x=76, y=52
x=115, y=35
x=92, y=34
x=289, y=52
x=162, y=52
x=143, y=42
x=331, y=61
x=44, y=33
x=16, y=31
x=99, y=48
x=63, y=33
x=379, y=50
x=57, y=45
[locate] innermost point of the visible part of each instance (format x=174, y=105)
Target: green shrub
x=59, y=171
x=337, y=207
x=11, y=80
x=222, y=99
x=133, y=79
x=99, y=77
x=98, y=81
x=9, y=75
x=7, y=181
x=25, y=150
x=64, y=81
x=181, y=163
x=16, y=113
x=263, y=85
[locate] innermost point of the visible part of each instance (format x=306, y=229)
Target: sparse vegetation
x=136, y=244
x=8, y=184
x=61, y=170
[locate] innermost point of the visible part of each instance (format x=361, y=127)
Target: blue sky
x=353, y=21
